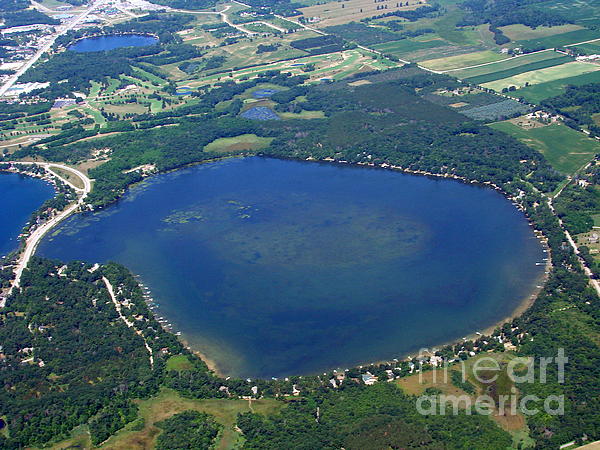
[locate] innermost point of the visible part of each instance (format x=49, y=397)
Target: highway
x=61, y=29
x=36, y=236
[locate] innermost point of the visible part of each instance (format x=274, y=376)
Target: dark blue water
x=103, y=43
x=19, y=197
x=274, y=267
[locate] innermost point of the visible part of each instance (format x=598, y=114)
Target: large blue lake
x=19, y=197
x=273, y=267
x=111, y=42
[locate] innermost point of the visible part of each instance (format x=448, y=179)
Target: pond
x=111, y=42
x=273, y=267
x=20, y=197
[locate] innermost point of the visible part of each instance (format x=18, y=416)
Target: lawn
x=179, y=363
x=542, y=91
x=237, y=143
x=506, y=64
x=168, y=402
x=565, y=149
x=469, y=59
x=543, y=75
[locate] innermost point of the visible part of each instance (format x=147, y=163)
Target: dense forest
x=498, y=13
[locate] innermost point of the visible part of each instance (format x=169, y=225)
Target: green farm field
x=519, y=32
x=481, y=79
x=565, y=149
x=542, y=91
x=459, y=61
x=590, y=48
x=560, y=40
x=507, y=64
x=543, y=75
x=510, y=63
x=405, y=46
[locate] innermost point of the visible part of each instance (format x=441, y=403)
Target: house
x=368, y=378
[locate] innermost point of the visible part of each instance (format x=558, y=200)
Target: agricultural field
x=539, y=92
x=507, y=64
x=502, y=74
x=565, y=149
x=582, y=12
x=406, y=47
x=560, y=40
x=519, y=32
x=459, y=61
x=543, y=75
x=338, y=13
x=591, y=48
x=496, y=111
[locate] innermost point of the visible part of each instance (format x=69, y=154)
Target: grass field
x=506, y=64
x=469, y=59
x=565, y=149
x=405, y=46
x=168, y=403
x=237, y=143
x=494, y=76
x=521, y=32
x=559, y=40
x=179, y=363
x=542, y=91
x=543, y=75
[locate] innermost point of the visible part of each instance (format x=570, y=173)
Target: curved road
x=36, y=236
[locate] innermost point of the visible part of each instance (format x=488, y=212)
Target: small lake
x=111, y=42
x=20, y=196
x=272, y=267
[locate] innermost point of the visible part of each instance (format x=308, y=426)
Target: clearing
x=168, y=403
x=565, y=149
x=238, y=143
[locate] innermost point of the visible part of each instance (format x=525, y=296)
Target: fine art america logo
x=490, y=385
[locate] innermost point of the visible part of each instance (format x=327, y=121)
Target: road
x=62, y=29
x=573, y=245
x=111, y=292
x=36, y=236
